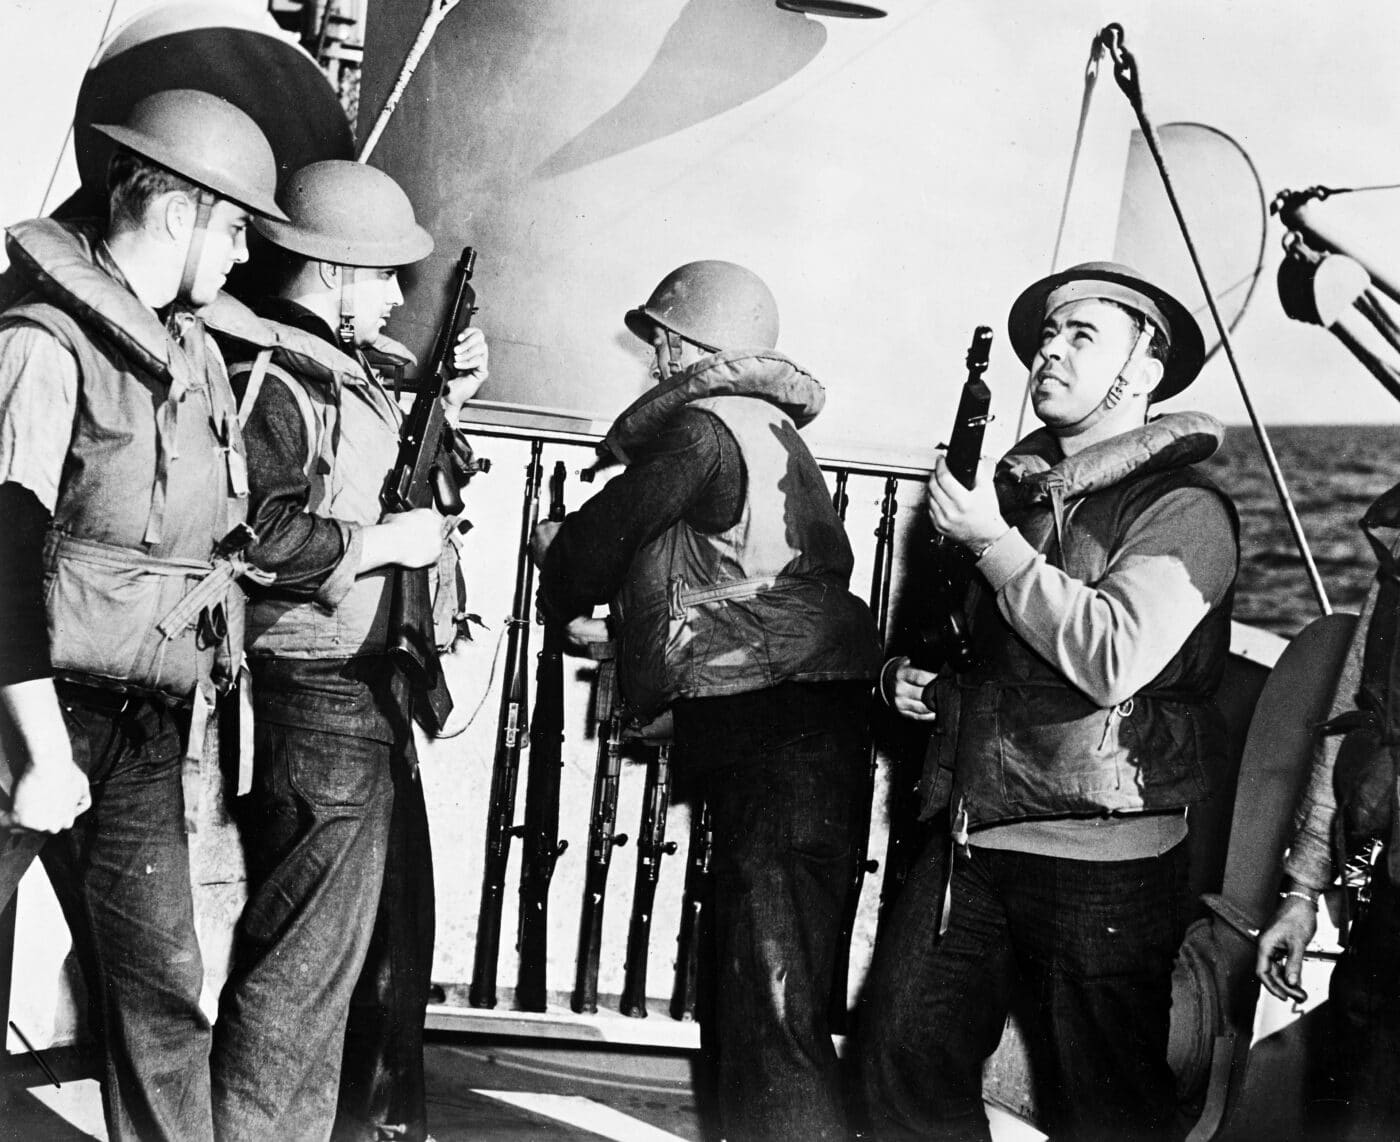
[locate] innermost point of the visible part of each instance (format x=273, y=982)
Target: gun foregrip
x=446, y=495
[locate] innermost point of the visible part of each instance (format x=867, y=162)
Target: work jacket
x=766, y=600
x=138, y=595
x=1027, y=742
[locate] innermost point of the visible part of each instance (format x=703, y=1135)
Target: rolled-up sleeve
x=1309, y=860
x=1112, y=637
x=38, y=401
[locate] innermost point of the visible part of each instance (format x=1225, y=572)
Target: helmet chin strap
x=204, y=207
x=1120, y=381
x=346, y=330
x=674, y=345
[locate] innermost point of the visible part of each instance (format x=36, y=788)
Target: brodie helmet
x=347, y=213
x=206, y=140
x=1110, y=281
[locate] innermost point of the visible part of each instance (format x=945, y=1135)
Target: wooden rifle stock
x=422, y=477
x=541, y=847
x=602, y=839
x=694, y=903
x=880, y=579
x=651, y=847
x=505, y=769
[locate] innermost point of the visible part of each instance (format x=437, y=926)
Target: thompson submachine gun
x=541, y=846
x=695, y=901
x=944, y=641
x=511, y=737
x=431, y=466
x=651, y=847
x=602, y=839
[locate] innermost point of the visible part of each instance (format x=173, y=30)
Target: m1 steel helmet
x=206, y=140
x=1110, y=281
x=716, y=305
x=350, y=214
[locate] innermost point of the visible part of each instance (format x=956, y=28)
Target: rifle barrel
x=505, y=770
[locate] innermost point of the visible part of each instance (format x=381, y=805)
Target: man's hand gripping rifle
x=432, y=465
x=944, y=639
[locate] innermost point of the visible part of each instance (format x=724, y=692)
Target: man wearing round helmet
x=122, y=484
x=727, y=570
x=334, y=781
x=1068, y=754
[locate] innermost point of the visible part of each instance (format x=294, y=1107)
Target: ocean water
x=1332, y=473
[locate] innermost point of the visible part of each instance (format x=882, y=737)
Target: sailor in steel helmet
x=337, y=809
x=1070, y=749
x=728, y=573
x=122, y=482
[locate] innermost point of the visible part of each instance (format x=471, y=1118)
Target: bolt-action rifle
x=651, y=847
x=541, y=846
x=511, y=737
x=695, y=901
x=430, y=468
x=602, y=839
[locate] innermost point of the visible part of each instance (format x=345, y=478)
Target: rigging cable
x=1097, y=50
x=63, y=147
x=1125, y=71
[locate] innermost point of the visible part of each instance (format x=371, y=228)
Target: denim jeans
x=1090, y=946
x=1362, y=1052
x=783, y=812
x=382, y=1082
x=128, y=874
x=316, y=826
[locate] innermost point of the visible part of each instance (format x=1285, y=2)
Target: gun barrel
x=541, y=847
x=459, y=316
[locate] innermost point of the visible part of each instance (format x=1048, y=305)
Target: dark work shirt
x=24, y=630
x=301, y=548
x=692, y=471
x=351, y=696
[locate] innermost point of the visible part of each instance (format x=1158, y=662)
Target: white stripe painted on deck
x=576, y=1110
x=78, y=1102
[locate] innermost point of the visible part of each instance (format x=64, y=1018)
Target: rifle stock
x=602, y=839
x=861, y=864
x=686, y=993
x=541, y=846
x=505, y=769
x=651, y=847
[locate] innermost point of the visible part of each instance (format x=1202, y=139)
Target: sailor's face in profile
x=1084, y=345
